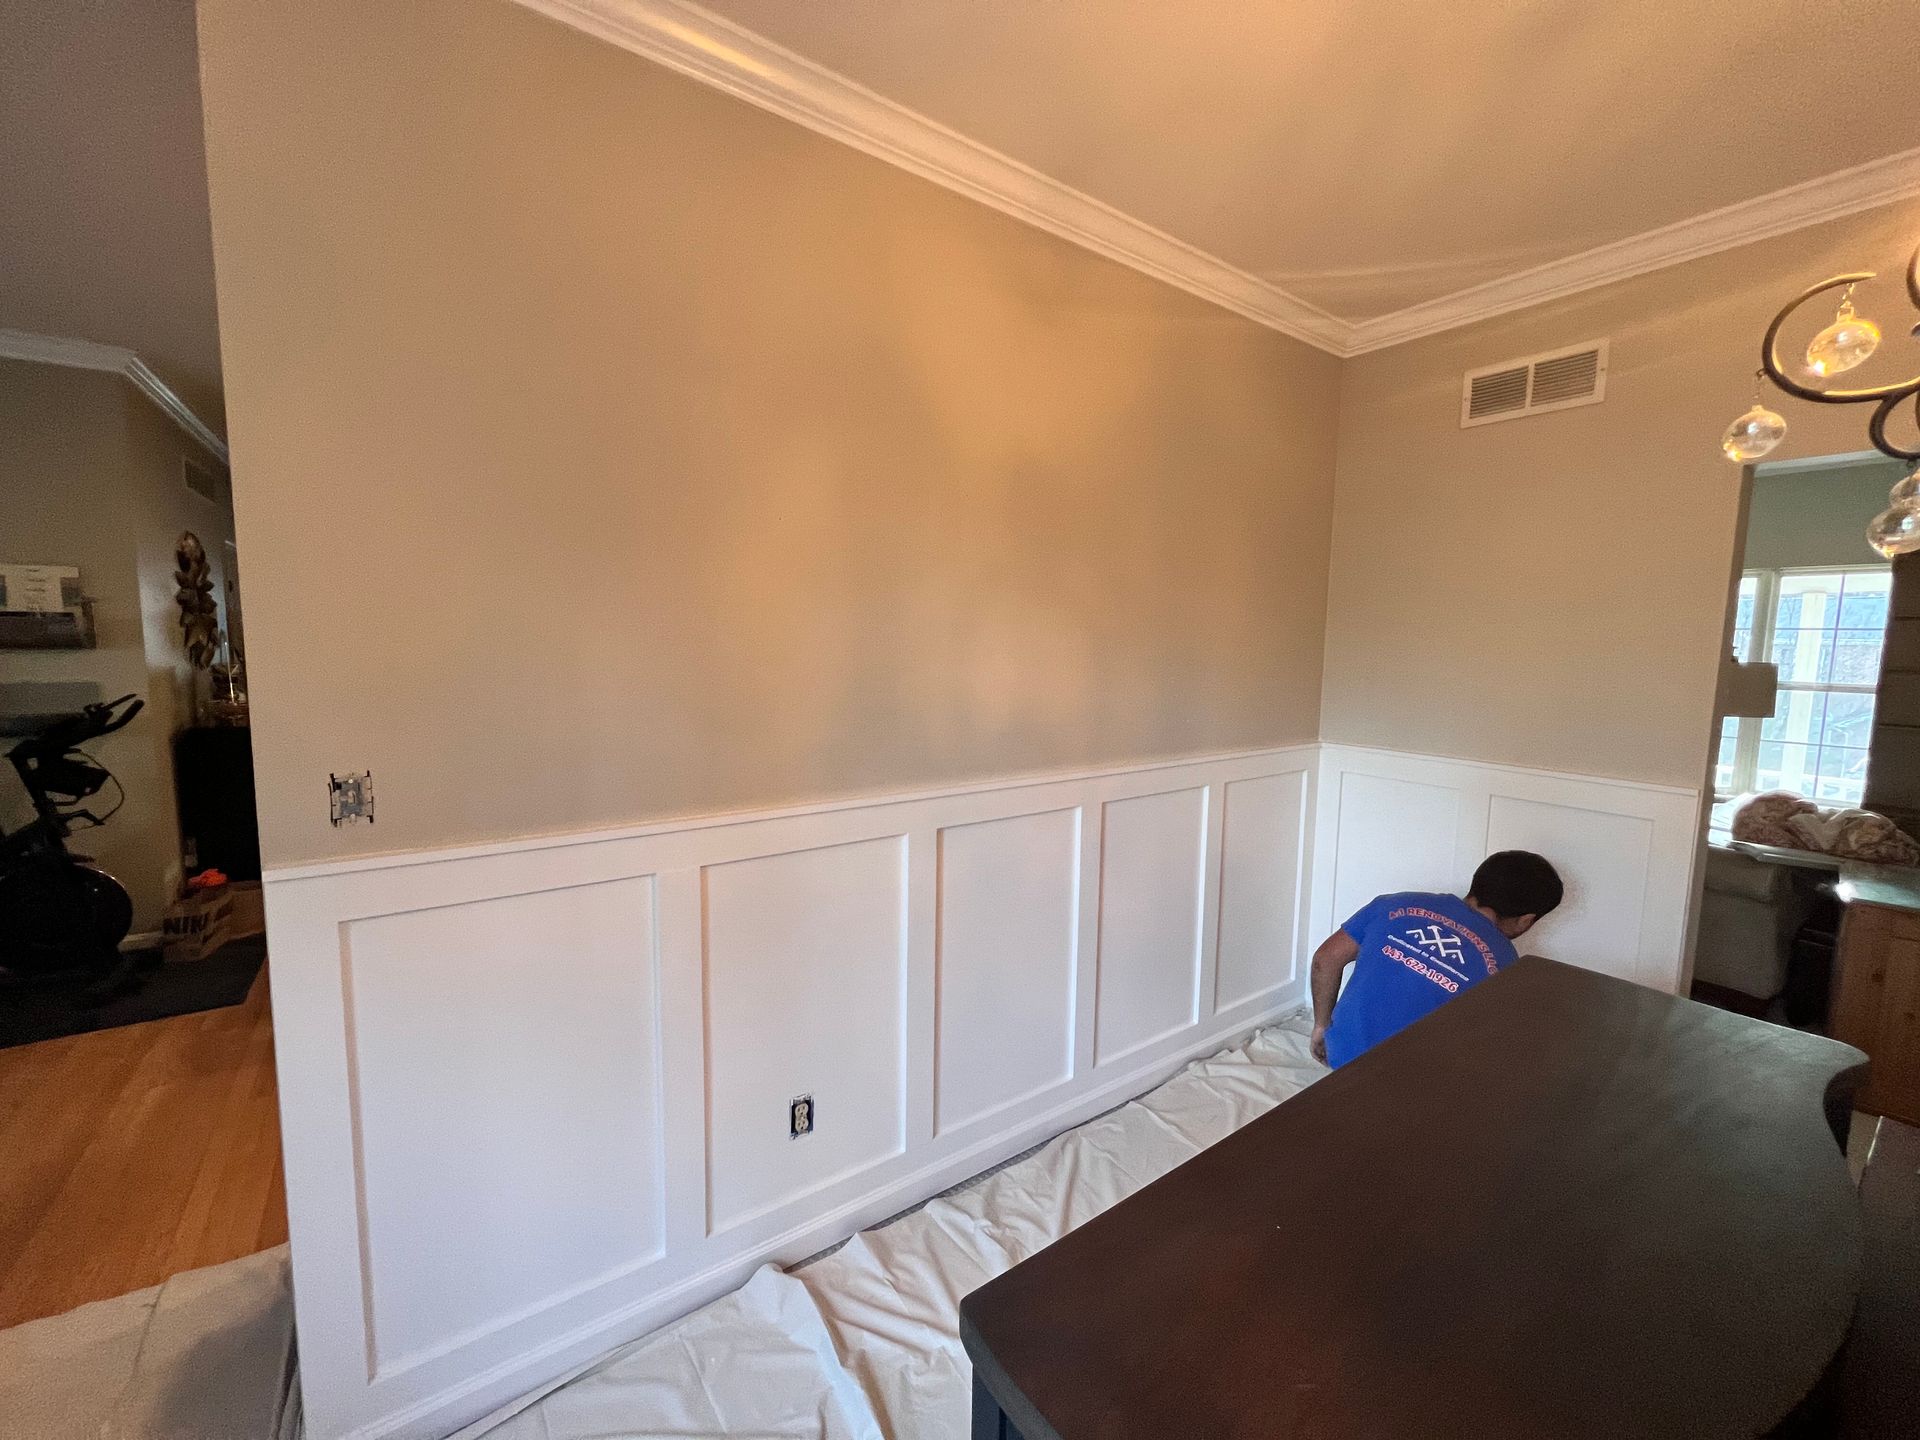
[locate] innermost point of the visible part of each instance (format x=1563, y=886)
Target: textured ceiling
x=104, y=229
x=1367, y=155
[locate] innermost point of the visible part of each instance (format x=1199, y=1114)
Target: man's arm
x=1330, y=961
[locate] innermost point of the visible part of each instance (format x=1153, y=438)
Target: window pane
x=1802, y=655
x=1723, y=763
x=1821, y=657
x=1796, y=717
x=1856, y=657
x=1743, y=616
x=1809, y=602
x=1828, y=628
x=1785, y=766
x=1842, y=777
x=1864, y=596
x=1849, y=721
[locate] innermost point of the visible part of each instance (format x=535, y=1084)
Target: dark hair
x=1513, y=883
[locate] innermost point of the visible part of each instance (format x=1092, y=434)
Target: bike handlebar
x=95, y=713
x=61, y=733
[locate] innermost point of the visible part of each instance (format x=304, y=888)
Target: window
x=1824, y=629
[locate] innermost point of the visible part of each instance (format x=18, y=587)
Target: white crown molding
x=90, y=355
x=715, y=51
x=712, y=49
x=1845, y=192
x=177, y=410
x=58, y=350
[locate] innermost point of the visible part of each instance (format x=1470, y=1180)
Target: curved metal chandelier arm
x=1877, y=426
x=1841, y=346
x=1776, y=371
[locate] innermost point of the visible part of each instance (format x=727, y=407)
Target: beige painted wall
x=90, y=476
x=1550, y=591
x=607, y=449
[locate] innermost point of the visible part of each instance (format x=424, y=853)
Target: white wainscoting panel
x=534, y=1094
x=1391, y=821
x=1263, y=856
x=1603, y=859
x=806, y=980
x=1008, y=962
x=1392, y=834
x=505, y=1058
x=1152, y=918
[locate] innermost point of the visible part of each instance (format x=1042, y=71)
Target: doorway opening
x=137, y=1089
x=1814, y=771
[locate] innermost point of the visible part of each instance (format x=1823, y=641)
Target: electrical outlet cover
x=350, y=797
x=800, y=1116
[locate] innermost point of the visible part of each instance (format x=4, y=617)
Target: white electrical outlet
x=800, y=1116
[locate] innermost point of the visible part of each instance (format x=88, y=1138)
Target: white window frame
x=1747, y=728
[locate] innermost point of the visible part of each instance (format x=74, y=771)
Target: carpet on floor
x=31, y=1013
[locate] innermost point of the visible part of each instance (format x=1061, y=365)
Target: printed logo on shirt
x=1440, y=942
x=1436, y=939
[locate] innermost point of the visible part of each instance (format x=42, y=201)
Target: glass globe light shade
x=1895, y=530
x=1754, y=434
x=1907, y=489
x=1845, y=343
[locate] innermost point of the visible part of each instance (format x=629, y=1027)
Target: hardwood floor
x=132, y=1154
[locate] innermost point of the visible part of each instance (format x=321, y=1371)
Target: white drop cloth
x=861, y=1344
x=864, y=1343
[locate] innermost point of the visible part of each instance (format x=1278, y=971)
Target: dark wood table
x=1563, y=1205
x=1880, y=1385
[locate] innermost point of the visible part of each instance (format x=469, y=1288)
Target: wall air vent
x=207, y=484
x=1555, y=380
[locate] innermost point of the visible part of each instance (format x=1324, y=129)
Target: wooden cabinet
x=1877, y=1005
x=213, y=778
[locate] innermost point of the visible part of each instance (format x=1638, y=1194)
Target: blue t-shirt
x=1416, y=953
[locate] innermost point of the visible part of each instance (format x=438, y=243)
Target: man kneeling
x=1414, y=952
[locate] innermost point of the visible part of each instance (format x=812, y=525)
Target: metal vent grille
x=1556, y=380
x=207, y=484
x=1565, y=377
x=1500, y=393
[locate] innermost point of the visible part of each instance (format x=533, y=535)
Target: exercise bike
x=61, y=916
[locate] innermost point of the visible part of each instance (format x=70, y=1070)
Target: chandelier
x=1847, y=342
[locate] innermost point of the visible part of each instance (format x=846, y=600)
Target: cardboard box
x=249, y=913
x=197, y=924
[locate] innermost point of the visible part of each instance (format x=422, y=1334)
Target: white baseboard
x=534, y=1094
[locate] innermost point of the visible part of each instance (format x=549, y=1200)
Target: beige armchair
x=1749, y=914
